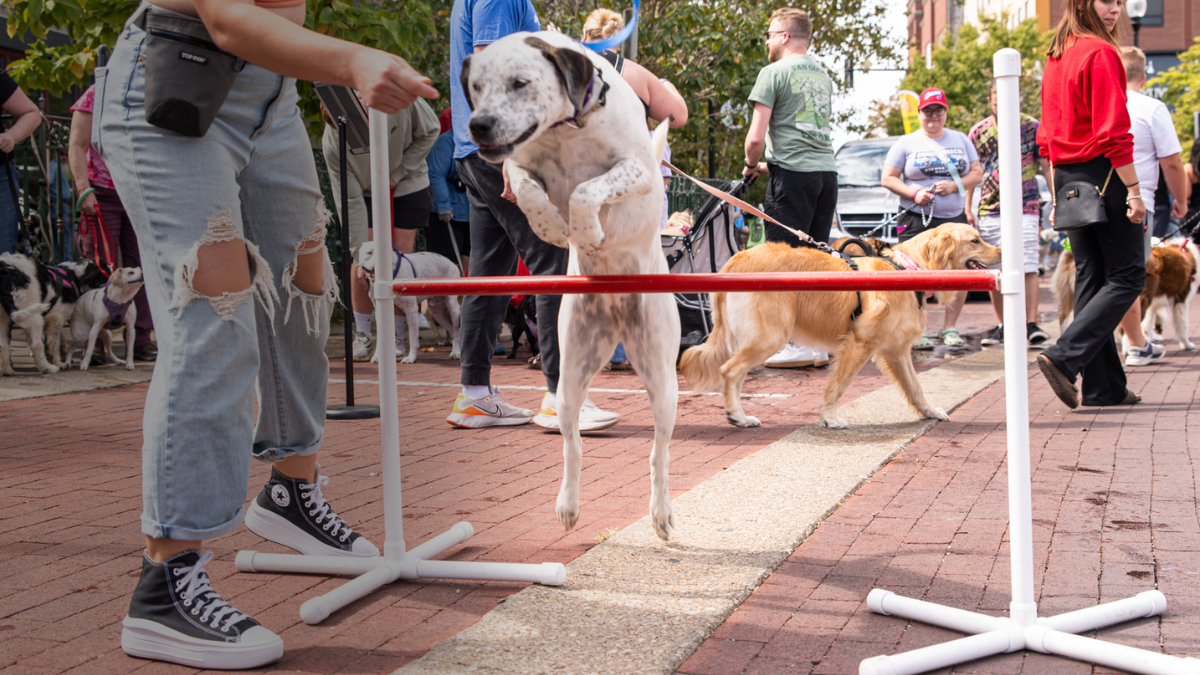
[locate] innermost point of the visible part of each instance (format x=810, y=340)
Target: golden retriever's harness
x=849, y=258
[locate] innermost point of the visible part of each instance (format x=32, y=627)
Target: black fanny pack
x=188, y=77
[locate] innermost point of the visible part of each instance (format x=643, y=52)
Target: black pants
x=804, y=201
x=500, y=233
x=437, y=237
x=1110, y=271
x=912, y=225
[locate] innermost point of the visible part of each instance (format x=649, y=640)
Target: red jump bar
x=966, y=280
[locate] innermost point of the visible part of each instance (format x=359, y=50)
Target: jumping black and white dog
x=40, y=299
x=572, y=134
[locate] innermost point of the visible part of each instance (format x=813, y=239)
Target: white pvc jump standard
x=1022, y=629
x=396, y=562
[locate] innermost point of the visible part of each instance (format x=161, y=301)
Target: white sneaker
x=820, y=358
x=792, y=356
x=492, y=410
x=591, y=417
x=1145, y=355
x=361, y=350
x=422, y=322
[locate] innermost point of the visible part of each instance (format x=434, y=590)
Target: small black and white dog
x=40, y=299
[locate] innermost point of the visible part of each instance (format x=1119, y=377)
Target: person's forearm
x=898, y=186
x=77, y=160
x=754, y=149
x=1176, y=179
x=1129, y=177
x=973, y=178
x=24, y=126
x=272, y=42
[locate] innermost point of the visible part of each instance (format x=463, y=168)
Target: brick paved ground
x=70, y=500
x=1115, y=513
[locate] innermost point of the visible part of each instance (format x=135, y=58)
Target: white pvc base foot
x=999, y=635
x=380, y=570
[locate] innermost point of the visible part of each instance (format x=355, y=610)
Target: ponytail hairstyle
x=602, y=23
x=1080, y=20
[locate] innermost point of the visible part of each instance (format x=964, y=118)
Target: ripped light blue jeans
x=252, y=178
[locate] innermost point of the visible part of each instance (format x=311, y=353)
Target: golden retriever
x=749, y=327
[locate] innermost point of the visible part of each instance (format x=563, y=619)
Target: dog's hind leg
x=733, y=375
x=412, y=308
x=445, y=314
x=898, y=363
x=93, y=335
x=1179, y=312
x=651, y=347
x=584, y=344
x=34, y=326
x=847, y=362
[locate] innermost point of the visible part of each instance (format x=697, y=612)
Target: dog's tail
x=1064, y=287
x=701, y=365
x=660, y=141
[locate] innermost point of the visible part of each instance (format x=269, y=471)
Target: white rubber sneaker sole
x=280, y=530
x=464, y=421
x=551, y=422
x=145, y=639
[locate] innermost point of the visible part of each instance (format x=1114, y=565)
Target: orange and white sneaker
x=591, y=417
x=490, y=411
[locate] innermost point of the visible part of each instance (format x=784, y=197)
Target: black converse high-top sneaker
x=292, y=512
x=176, y=616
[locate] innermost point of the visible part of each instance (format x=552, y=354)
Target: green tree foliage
x=962, y=67
x=1182, y=85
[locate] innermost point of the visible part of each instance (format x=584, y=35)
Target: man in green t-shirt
x=793, y=104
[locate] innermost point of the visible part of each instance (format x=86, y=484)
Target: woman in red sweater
x=1085, y=133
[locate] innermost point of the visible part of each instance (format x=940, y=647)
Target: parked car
x=865, y=208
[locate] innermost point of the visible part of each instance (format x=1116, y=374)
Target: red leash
x=101, y=232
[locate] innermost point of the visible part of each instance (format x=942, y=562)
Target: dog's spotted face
x=520, y=86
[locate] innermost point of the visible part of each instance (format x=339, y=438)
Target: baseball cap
x=932, y=96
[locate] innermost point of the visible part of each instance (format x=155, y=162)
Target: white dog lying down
x=586, y=174
x=417, y=266
x=102, y=310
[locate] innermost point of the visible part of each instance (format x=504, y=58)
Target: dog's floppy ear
x=464, y=79
x=574, y=68
x=940, y=249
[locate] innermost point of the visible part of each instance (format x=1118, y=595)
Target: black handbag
x=1079, y=204
x=187, y=76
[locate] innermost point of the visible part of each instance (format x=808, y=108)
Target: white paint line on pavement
x=530, y=388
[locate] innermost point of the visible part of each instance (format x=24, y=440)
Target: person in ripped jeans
x=231, y=227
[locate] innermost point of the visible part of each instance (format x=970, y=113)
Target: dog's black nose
x=481, y=126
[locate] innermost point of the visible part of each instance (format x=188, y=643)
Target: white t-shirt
x=1153, y=137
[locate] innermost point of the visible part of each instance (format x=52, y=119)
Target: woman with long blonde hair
x=1085, y=134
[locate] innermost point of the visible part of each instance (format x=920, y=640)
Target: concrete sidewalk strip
x=634, y=604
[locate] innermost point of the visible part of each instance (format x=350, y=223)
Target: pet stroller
x=707, y=246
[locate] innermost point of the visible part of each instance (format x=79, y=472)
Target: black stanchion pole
x=349, y=411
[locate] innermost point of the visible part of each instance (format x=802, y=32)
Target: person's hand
x=923, y=197
x=507, y=193
x=1179, y=208
x=1052, y=217
x=445, y=216
x=971, y=219
x=1136, y=210
x=759, y=169
x=943, y=188
x=6, y=142
x=386, y=82
x=89, y=205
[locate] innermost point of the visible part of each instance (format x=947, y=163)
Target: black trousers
x=911, y=222
x=500, y=233
x=1110, y=271
x=804, y=201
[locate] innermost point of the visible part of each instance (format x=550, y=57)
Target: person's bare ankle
x=159, y=550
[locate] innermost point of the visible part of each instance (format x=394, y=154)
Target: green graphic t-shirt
x=800, y=95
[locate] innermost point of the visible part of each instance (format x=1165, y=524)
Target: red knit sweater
x=1084, y=113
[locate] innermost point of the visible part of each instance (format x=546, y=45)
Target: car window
x=861, y=165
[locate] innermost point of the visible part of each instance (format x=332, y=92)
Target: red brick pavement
x=70, y=497
x=1114, y=513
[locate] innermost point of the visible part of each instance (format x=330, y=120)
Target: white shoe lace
x=200, y=597
x=319, y=508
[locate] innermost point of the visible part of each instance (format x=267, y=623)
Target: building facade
x=931, y=21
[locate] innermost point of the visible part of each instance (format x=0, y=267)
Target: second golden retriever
x=750, y=327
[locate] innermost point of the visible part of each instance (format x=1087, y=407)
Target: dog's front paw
x=834, y=422
x=454, y=354
x=567, y=510
x=937, y=414
x=50, y=369
x=129, y=366
x=744, y=422
x=411, y=358
x=663, y=518
x=1187, y=346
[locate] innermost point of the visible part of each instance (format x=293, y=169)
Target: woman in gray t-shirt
x=930, y=170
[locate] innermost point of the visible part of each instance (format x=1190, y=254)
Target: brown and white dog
x=40, y=299
x=1171, y=283
x=102, y=310
x=750, y=327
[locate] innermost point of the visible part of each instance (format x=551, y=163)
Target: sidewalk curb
x=635, y=604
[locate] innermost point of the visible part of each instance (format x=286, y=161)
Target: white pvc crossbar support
x=1022, y=629
x=395, y=563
